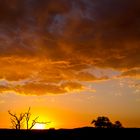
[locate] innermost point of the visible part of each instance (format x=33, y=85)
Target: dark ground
x=70, y=134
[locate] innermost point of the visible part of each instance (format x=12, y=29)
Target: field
x=68, y=134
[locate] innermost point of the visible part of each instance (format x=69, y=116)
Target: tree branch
x=34, y=122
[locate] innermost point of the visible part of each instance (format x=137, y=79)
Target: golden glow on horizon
x=70, y=61
x=39, y=126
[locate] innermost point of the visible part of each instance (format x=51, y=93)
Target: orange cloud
x=33, y=89
x=56, y=41
x=38, y=88
x=3, y=88
x=72, y=86
x=131, y=73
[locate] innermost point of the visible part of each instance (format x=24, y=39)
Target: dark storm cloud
x=55, y=40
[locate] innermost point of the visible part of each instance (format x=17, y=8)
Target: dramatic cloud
x=132, y=73
x=39, y=89
x=55, y=41
x=36, y=88
x=72, y=86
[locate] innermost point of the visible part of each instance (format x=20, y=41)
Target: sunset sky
x=70, y=61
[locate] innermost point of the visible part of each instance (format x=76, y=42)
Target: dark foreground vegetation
x=102, y=128
x=69, y=134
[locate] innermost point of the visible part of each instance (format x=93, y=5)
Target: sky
x=70, y=61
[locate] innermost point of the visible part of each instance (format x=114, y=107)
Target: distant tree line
x=104, y=122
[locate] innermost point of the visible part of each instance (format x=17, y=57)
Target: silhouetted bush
x=104, y=122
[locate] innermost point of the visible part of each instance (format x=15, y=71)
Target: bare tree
x=34, y=121
x=27, y=117
x=16, y=120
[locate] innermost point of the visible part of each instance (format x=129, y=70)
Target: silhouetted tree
x=27, y=117
x=117, y=124
x=34, y=121
x=104, y=122
x=16, y=120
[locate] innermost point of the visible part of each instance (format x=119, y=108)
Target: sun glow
x=39, y=126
